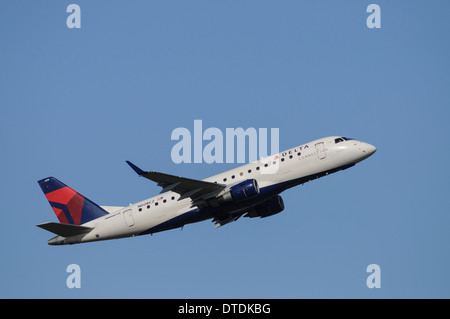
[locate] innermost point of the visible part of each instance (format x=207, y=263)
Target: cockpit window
x=341, y=139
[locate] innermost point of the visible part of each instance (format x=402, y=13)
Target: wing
x=186, y=187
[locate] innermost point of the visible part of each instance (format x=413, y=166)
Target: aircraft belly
x=179, y=220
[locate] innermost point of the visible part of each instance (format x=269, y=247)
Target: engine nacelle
x=242, y=191
x=270, y=207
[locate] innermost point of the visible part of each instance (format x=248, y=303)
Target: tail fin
x=69, y=206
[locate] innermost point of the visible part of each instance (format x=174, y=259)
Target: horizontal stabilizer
x=65, y=230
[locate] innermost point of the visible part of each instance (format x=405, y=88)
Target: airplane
x=252, y=190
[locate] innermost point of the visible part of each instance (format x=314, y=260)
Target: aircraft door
x=128, y=216
x=321, y=150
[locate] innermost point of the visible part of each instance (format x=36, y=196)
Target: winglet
x=135, y=168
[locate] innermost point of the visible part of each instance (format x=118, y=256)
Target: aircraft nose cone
x=368, y=149
x=371, y=149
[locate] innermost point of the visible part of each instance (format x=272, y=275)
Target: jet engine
x=270, y=207
x=242, y=191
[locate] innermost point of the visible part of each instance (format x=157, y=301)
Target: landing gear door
x=321, y=150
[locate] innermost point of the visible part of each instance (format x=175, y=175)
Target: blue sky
x=77, y=103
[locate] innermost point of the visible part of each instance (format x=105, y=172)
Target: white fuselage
x=273, y=174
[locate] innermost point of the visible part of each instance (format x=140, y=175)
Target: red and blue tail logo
x=69, y=206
